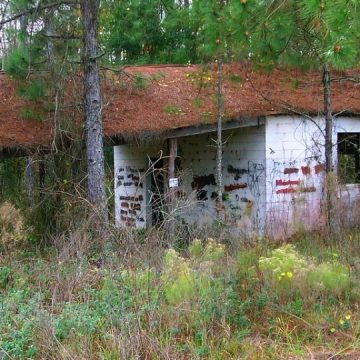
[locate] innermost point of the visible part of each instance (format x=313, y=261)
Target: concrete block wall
x=295, y=171
x=243, y=177
x=131, y=183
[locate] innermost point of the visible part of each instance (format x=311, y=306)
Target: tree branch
x=37, y=8
x=63, y=37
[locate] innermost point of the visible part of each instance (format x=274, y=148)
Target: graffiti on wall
x=130, y=180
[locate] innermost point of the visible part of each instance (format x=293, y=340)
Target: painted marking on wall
x=305, y=170
x=319, y=168
x=232, y=187
x=287, y=182
x=308, y=189
x=200, y=181
x=291, y=171
x=290, y=190
x=236, y=171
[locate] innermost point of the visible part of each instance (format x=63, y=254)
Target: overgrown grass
x=208, y=301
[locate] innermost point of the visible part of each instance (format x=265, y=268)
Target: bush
x=287, y=272
x=329, y=278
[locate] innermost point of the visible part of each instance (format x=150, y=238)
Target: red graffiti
x=319, y=168
x=291, y=171
x=306, y=170
x=288, y=190
x=291, y=190
x=232, y=187
x=287, y=182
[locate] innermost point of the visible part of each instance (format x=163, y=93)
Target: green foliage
x=33, y=90
x=309, y=33
x=282, y=263
x=173, y=110
x=178, y=278
x=77, y=320
x=329, y=278
x=235, y=78
x=290, y=273
x=30, y=114
x=11, y=172
x=5, y=274
x=17, y=63
x=140, y=82
x=205, y=302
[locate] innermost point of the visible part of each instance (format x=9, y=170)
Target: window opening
x=349, y=157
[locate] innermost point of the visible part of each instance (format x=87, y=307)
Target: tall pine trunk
x=92, y=110
x=219, y=136
x=328, y=121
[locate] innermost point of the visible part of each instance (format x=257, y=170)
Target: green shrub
x=329, y=278
x=32, y=90
x=287, y=272
x=17, y=63
x=5, y=273
x=178, y=278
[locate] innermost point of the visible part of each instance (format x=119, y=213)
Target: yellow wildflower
x=289, y=274
x=341, y=322
x=348, y=317
x=332, y=330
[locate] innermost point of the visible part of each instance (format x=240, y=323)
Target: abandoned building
x=273, y=151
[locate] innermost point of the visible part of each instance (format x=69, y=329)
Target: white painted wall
x=243, y=177
x=131, y=167
x=295, y=172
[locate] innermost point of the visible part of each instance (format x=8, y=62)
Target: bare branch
x=347, y=78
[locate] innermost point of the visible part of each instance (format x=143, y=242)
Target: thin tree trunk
x=92, y=110
x=330, y=183
x=328, y=121
x=219, y=136
x=49, y=31
x=41, y=176
x=172, y=146
x=29, y=180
